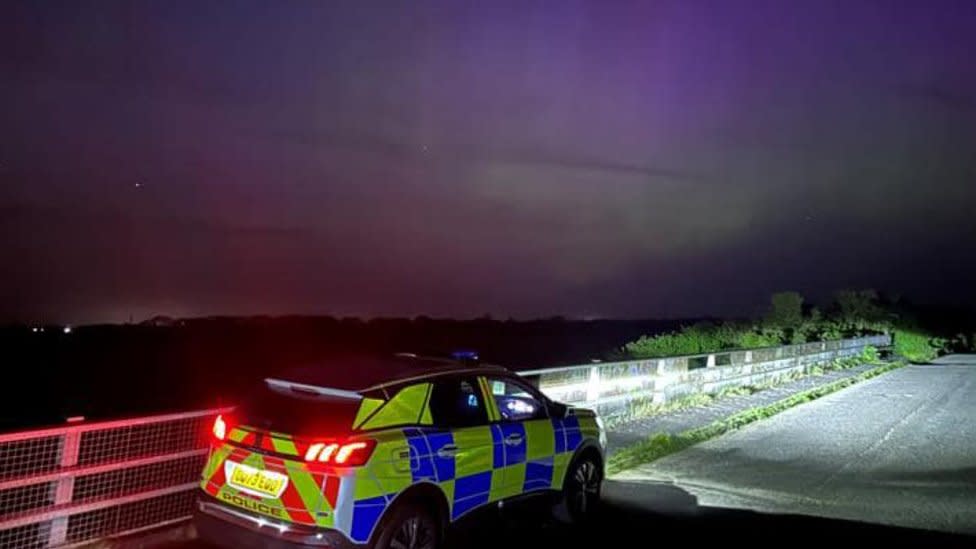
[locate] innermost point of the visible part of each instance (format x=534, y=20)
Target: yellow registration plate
x=255, y=481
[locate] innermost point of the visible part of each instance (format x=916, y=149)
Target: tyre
x=581, y=491
x=410, y=526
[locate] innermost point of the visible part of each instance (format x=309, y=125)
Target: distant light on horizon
x=67, y=329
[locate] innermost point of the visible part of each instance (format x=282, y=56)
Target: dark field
x=110, y=371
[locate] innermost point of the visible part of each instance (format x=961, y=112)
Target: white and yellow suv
x=386, y=452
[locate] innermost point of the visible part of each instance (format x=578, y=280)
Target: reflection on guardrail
x=610, y=387
x=71, y=485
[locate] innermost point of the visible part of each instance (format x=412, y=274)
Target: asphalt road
x=636, y=514
x=899, y=449
x=639, y=514
x=890, y=460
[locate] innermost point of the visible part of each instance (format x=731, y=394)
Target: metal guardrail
x=614, y=383
x=71, y=485
x=76, y=484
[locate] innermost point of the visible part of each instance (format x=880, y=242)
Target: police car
x=387, y=452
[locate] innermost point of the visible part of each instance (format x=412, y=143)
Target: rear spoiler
x=281, y=384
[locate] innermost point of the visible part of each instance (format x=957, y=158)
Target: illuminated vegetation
x=789, y=321
x=917, y=346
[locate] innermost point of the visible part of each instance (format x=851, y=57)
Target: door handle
x=514, y=439
x=448, y=451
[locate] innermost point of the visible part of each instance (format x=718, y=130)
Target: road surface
x=899, y=450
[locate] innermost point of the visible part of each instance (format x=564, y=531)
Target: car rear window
x=298, y=413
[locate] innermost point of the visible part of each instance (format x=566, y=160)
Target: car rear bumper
x=223, y=526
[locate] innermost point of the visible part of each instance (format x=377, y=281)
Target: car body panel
x=470, y=466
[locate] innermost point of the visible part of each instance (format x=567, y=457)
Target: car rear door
x=461, y=443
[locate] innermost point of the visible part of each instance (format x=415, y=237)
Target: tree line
x=790, y=320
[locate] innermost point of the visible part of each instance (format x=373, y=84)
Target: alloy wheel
x=585, y=490
x=414, y=533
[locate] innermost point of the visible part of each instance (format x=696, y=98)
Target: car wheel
x=581, y=491
x=409, y=527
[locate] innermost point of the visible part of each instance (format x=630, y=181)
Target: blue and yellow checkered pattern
x=481, y=464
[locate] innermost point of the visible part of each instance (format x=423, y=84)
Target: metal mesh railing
x=129, y=517
x=33, y=455
x=28, y=536
x=151, y=476
x=144, y=439
x=84, y=482
x=26, y=498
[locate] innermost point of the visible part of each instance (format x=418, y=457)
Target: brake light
x=350, y=454
x=220, y=428
x=348, y=450
x=320, y=452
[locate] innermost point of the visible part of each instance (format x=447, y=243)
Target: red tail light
x=220, y=428
x=350, y=454
x=320, y=452
x=354, y=453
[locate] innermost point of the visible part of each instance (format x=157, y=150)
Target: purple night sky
x=589, y=159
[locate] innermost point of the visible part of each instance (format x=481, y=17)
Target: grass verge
x=662, y=444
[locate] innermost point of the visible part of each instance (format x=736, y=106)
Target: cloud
x=584, y=226
x=433, y=151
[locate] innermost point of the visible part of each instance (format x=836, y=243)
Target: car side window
x=515, y=401
x=457, y=402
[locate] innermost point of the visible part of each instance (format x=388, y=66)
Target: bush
x=659, y=345
x=916, y=346
x=786, y=310
x=706, y=338
x=686, y=342
x=870, y=355
x=853, y=314
x=798, y=337
x=860, y=311
x=755, y=340
x=829, y=330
